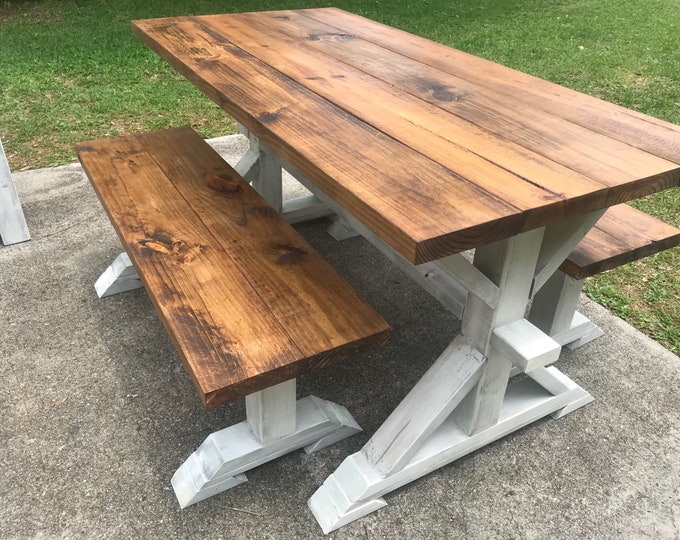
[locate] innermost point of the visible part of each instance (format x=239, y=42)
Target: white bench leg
x=120, y=277
x=553, y=310
x=263, y=169
x=275, y=425
x=13, y=228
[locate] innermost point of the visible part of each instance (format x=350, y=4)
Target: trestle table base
x=356, y=489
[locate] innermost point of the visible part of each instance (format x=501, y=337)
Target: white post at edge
x=13, y=226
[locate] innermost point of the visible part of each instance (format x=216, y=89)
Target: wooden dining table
x=428, y=152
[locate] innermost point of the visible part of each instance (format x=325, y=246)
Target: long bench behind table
x=622, y=235
x=246, y=300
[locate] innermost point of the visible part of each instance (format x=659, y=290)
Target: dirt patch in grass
x=33, y=11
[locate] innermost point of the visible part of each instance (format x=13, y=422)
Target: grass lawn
x=73, y=70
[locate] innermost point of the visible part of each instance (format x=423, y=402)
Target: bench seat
x=246, y=300
x=622, y=235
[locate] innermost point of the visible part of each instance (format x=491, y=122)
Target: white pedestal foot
x=219, y=463
x=120, y=277
x=333, y=509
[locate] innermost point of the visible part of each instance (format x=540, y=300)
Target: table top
x=433, y=149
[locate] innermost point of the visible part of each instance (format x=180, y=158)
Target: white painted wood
x=13, y=228
x=249, y=165
x=581, y=331
x=510, y=264
x=342, y=230
x=269, y=181
x=304, y=209
x=525, y=345
x=271, y=412
x=119, y=277
x=219, y=463
x=591, y=334
x=558, y=383
x=560, y=240
x=554, y=305
x=356, y=488
x=423, y=410
x=471, y=278
x=333, y=509
x=262, y=168
x=433, y=279
x=346, y=427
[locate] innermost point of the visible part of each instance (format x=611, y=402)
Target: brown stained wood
x=431, y=148
x=449, y=140
x=637, y=129
x=247, y=301
x=602, y=158
x=405, y=198
x=622, y=235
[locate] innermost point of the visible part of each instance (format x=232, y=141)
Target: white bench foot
x=554, y=311
x=219, y=463
x=120, y=277
x=581, y=331
x=341, y=230
x=356, y=488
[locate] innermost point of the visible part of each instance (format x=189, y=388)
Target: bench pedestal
x=553, y=310
x=276, y=425
x=119, y=277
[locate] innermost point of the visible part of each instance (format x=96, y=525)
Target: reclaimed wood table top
x=433, y=149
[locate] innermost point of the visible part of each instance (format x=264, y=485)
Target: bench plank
x=622, y=235
x=247, y=301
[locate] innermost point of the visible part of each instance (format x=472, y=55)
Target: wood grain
x=637, y=129
x=622, y=235
x=247, y=301
x=432, y=149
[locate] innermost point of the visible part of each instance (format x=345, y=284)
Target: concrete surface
x=97, y=412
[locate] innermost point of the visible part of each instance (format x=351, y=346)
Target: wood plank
x=454, y=142
x=621, y=236
x=280, y=264
x=635, y=128
x=601, y=157
x=246, y=300
x=425, y=408
x=444, y=214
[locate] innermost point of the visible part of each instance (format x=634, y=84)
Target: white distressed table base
x=219, y=463
x=356, y=489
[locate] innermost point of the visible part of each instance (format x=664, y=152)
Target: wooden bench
x=246, y=300
x=622, y=235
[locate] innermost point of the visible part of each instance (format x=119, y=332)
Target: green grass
x=73, y=70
